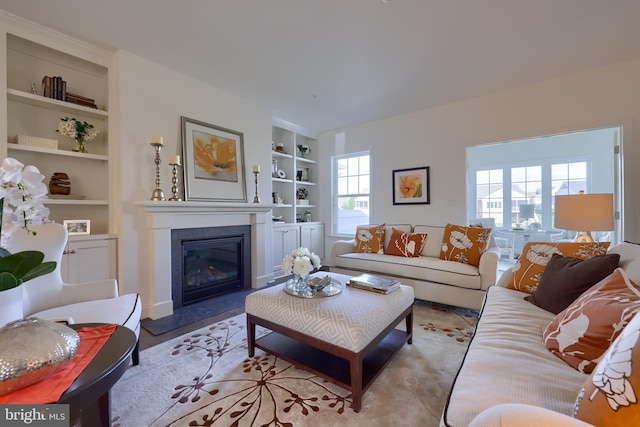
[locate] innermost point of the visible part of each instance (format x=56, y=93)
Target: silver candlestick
x=174, y=182
x=256, y=198
x=158, y=194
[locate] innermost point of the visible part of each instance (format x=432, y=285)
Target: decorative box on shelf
x=303, y=202
x=34, y=141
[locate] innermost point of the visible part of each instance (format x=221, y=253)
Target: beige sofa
x=432, y=279
x=508, y=377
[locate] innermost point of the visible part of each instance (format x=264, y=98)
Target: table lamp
x=526, y=212
x=584, y=213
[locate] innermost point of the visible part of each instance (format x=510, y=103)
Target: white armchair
x=47, y=297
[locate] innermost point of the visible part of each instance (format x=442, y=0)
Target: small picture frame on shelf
x=77, y=226
x=302, y=174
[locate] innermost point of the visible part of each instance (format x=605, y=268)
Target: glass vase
x=300, y=282
x=80, y=148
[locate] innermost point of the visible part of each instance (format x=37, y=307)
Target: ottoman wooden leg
x=356, y=383
x=251, y=336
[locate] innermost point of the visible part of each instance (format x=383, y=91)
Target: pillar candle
x=174, y=160
x=156, y=139
x=256, y=168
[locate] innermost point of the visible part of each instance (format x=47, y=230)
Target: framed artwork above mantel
x=213, y=162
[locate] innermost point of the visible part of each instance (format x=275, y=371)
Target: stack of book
x=373, y=283
x=80, y=100
x=56, y=88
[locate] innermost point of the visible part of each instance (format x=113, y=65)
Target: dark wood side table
x=88, y=395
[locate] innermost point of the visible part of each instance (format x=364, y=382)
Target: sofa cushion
x=610, y=395
x=405, y=244
x=530, y=265
x=582, y=332
x=566, y=278
x=464, y=244
x=389, y=229
x=420, y=268
x=507, y=362
x=434, y=243
x=370, y=239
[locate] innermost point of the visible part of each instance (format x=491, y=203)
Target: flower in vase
x=301, y=262
x=80, y=131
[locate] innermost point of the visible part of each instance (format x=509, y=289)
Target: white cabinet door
x=89, y=260
x=285, y=239
x=312, y=238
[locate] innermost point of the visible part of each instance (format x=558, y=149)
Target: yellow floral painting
x=214, y=157
x=213, y=166
x=411, y=186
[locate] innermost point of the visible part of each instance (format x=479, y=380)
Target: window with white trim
x=350, y=192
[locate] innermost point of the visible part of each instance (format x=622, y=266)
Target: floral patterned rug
x=205, y=378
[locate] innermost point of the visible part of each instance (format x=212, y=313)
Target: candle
x=256, y=168
x=156, y=139
x=174, y=160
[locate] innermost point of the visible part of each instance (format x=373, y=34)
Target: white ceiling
x=326, y=64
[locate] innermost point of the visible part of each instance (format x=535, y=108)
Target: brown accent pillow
x=405, y=244
x=464, y=244
x=610, y=396
x=582, y=332
x=566, y=278
x=370, y=239
x=535, y=256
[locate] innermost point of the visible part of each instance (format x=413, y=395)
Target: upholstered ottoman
x=346, y=338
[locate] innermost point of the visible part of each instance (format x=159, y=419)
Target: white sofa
x=432, y=279
x=508, y=377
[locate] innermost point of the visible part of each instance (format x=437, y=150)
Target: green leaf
x=8, y=281
x=40, y=270
x=21, y=263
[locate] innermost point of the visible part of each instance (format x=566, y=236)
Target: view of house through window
x=513, y=185
x=351, y=191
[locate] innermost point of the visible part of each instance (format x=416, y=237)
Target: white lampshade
x=584, y=212
x=527, y=211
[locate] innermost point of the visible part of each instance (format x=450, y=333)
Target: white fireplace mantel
x=159, y=218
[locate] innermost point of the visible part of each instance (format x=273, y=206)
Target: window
x=351, y=188
x=516, y=182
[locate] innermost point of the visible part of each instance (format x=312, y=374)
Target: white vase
x=10, y=305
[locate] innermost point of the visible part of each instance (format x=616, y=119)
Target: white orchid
x=301, y=262
x=21, y=195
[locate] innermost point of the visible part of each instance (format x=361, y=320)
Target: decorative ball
x=32, y=350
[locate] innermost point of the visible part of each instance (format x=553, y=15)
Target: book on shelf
x=374, y=283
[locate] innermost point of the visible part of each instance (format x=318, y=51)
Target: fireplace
x=209, y=262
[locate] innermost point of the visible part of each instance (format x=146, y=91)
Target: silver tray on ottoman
x=334, y=288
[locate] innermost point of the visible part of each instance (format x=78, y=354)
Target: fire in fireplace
x=209, y=262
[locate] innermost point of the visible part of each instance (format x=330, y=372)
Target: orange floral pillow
x=405, y=244
x=370, y=239
x=535, y=256
x=582, y=332
x=464, y=244
x=611, y=395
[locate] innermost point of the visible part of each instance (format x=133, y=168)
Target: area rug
x=205, y=378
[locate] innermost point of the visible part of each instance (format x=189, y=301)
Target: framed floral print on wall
x=411, y=186
x=213, y=162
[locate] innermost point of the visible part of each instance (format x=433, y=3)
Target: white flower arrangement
x=21, y=198
x=301, y=262
x=80, y=131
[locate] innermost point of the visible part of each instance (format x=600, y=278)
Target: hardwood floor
x=148, y=340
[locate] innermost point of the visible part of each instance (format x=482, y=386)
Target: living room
x=147, y=99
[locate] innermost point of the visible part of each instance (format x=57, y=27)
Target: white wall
x=438, y=137
x=150, y=100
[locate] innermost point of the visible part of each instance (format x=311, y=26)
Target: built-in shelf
x=67, y=153
x=75, y=202
x=54, y=104
x=305, y=160
x=276, y=154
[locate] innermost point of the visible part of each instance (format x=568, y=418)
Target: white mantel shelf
x=158, y=218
